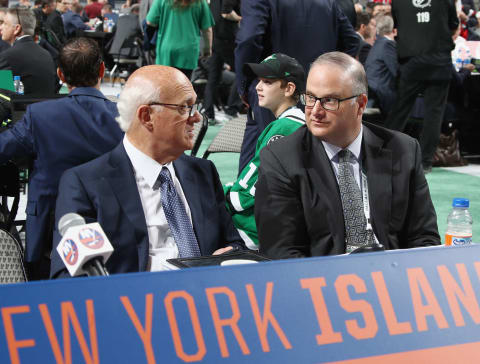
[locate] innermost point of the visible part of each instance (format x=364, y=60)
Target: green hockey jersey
x=240, y=196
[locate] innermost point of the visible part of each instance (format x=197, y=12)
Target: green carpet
x=444, y=185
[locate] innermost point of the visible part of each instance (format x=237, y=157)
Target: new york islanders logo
x=70, y=251
x=91, y=238
x=421, y=3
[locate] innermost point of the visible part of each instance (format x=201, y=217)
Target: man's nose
x=317, y=108
x=196, y=117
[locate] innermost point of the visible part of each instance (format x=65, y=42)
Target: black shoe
x=427, y=169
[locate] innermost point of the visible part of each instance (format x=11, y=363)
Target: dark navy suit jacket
x=381, y=67
x=105, y=190
x=303, y=29
x=57, y=135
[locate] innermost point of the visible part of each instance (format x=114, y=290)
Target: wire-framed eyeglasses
x=328, y=103
x=182, y=109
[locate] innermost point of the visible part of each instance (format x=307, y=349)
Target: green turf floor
x=444, y=185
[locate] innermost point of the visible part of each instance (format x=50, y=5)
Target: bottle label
x=458, y=239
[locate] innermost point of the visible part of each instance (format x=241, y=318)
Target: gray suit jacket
x=298, y=209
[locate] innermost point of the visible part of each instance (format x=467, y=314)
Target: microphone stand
x=95, y=268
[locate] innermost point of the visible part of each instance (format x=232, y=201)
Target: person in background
x=72, y=20
x=281, y=81
x=93, y=9
x=337, y=184
x=424, y=45
x=55, y=22
x=382, y=65
x=366, y=29
x=107, y=12
x=226, y=16
x=3, y=45
x=57, y=135
x=303, y=29
x=153, y=201
x=179, y=23
x=26, y=58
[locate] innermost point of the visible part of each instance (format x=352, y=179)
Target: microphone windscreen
x=81, y=244
x=69, y=220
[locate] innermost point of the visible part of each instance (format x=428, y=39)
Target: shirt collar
x=355, y=147
x=143, y=165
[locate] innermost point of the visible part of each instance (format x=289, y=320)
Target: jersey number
x=244, y=181
x=423, y=17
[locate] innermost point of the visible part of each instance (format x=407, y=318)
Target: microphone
x=84, y=248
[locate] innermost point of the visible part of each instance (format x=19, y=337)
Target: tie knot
x=163, y=177
x=344, y=155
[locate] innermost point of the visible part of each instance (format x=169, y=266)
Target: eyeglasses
x=328, y=103
x=182, y=109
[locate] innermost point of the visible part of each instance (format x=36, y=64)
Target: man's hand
x=469, y=67
x=222, y=250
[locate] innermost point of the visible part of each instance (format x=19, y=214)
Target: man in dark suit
x=366, y=30
x=25, y=58
x=302, y=29
x=58, y=135
x=131, y=190
x=336, y=184
x=382, y=65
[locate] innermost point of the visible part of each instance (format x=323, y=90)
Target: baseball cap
x=278, y=66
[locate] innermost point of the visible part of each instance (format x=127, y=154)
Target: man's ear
x=101, y=72
x=290, y=89
x=144, y=116
x=18, y=30
x=60, y=75
x=362, y=100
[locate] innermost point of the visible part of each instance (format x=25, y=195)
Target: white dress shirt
x=162, y=246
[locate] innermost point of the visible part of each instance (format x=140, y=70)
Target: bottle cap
x=461, y=202
x=16, y=78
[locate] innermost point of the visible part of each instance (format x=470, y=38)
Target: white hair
x=132, y=96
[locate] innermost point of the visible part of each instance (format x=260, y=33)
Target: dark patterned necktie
x=177, y=217
x=356, y=234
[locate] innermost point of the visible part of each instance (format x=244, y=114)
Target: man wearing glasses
x=337, y=185
x=25, y=58
x=153, y=201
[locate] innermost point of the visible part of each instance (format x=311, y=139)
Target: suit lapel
x=377, y=165
x=325, y=187
x=192, y=191
x=122, y=182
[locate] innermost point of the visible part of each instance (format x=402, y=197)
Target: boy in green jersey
x=281, y=79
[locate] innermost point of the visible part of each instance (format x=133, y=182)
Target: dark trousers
x=186, y=72
x=435, y=96
x=257, y=120
x=222, y=53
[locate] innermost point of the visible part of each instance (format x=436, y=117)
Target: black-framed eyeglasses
x=328, y=103
x=182, y=109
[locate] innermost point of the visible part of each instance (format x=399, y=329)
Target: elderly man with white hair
x=153, y=201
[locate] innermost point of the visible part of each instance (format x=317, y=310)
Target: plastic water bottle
x=18, y=85
x=459, y=223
